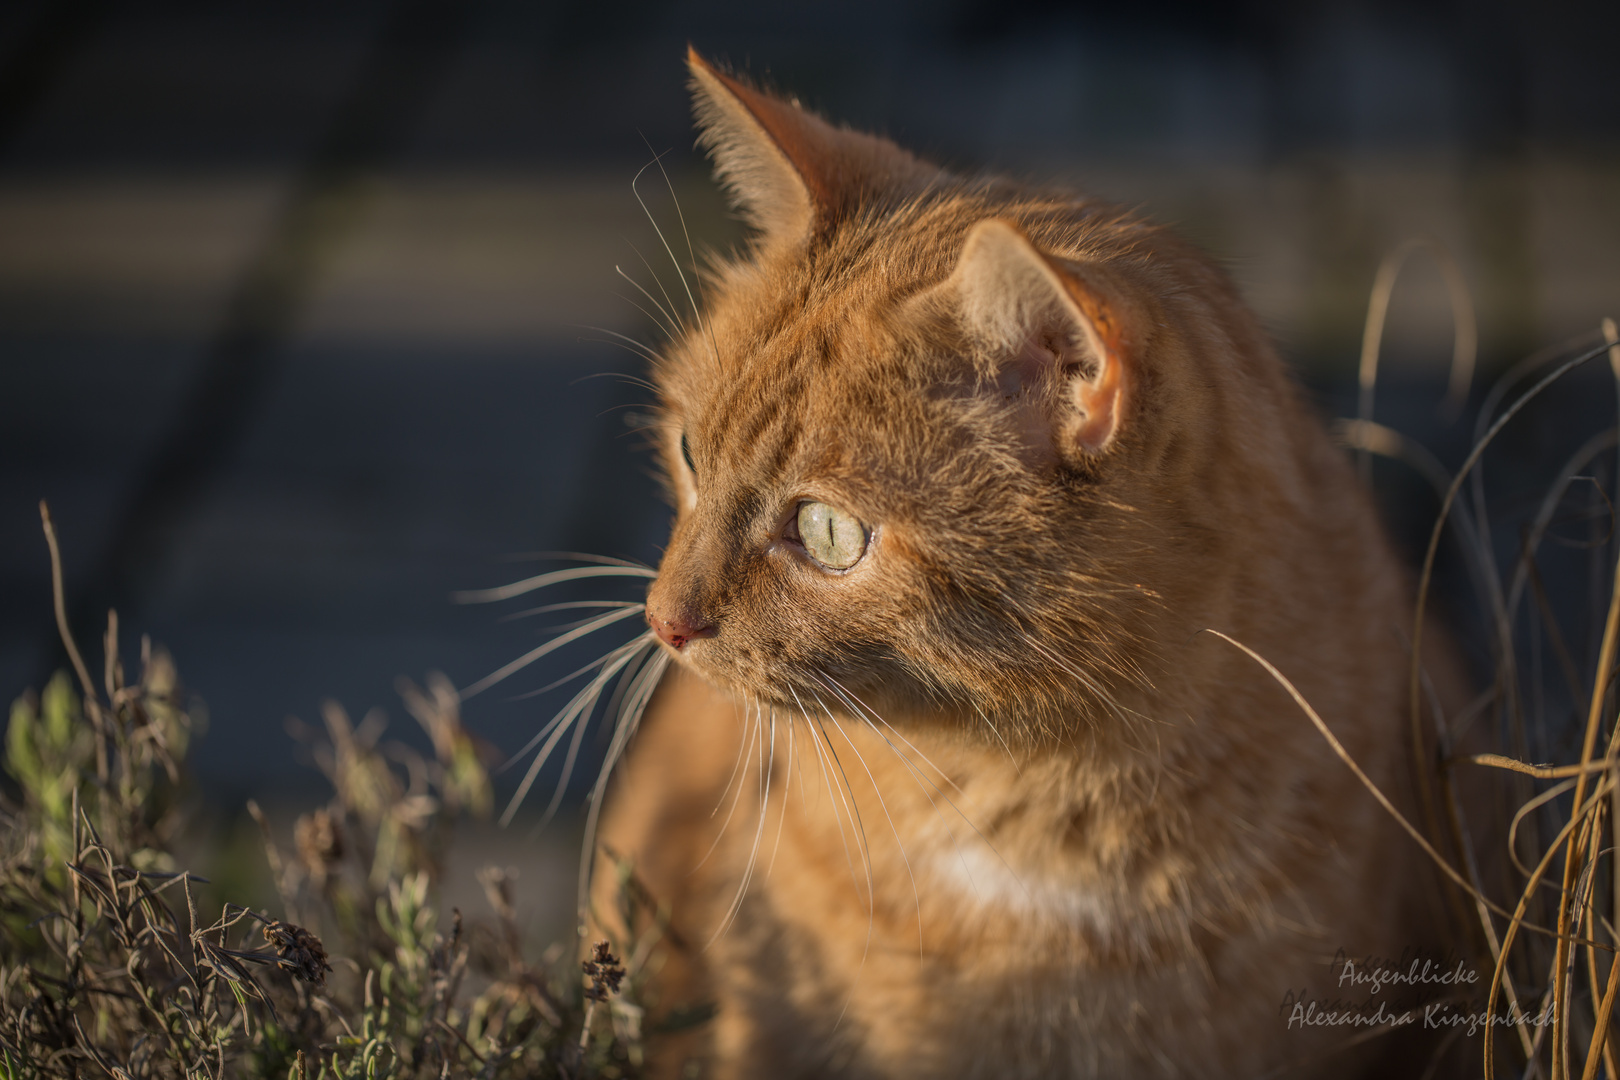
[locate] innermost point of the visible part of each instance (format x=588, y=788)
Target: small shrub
x=107, y=967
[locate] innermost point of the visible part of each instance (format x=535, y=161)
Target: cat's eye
x=834, y=538
x=686, y=454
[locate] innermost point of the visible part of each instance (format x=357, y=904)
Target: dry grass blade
x=1572, y=861
x=1411, y=830
x=1425, y=578
x=1344, y=755
x=1465, y=333
x=1595, y=1055
x=59, y=599
x=1540, y=772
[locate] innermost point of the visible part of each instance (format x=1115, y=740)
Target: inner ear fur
x=791, y=174
x=1035, y=318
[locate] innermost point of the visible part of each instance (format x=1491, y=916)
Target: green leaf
x=60, y=708
x=22, y=751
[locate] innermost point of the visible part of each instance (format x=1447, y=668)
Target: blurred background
x=309, y=312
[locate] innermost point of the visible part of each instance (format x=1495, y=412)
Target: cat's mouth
x=680, y=629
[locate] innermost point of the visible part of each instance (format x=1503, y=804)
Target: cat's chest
x=961, y=848
x=983, y=884
x=1056, y=868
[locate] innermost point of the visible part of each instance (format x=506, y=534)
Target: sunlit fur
x=989, y=804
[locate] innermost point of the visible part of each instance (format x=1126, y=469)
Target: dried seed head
x=299, y=950
x=604, y=971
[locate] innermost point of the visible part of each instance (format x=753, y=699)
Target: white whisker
x=637, y=651
x=672, y=306
x=541, y=581
x=629, y=380
x=581, y=703
x=852, y=804
x=626, y=721
x=555, y=643
x=724, y=825
x=871, y=891
x=767, y=764
x=832, y=799
x=633, y=302
x=736, y=766
x=539, y=736
x=862, y=710
x=640, y=348
x=571, y=605
x=680, y=273
x=860, y=707
x=562, y=628
x=680, y=215
x=666, y=320
x=787, y=789
x=570, y=677
x=905, y=857
x=570, y=556
x=631, y=673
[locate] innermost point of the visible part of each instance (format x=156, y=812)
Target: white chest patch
x=980, y=877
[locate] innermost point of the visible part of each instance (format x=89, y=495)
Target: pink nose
x=676, y=632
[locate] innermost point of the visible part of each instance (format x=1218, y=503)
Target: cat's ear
x=1050, y=329
x=790, y=173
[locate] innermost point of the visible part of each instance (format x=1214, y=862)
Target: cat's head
x=929, y=443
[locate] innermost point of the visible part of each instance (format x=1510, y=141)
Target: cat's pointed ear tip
x=712, y=81
x=705, y=78
x=696, y=62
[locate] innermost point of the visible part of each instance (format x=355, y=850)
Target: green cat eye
x=833, y=538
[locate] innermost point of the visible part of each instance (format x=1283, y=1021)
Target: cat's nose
x=675, y=631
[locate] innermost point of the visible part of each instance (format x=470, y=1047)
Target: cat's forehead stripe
x=792, y=352
x=757, y=429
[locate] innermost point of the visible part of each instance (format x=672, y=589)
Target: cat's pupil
x=832, y=537
x=686, y=454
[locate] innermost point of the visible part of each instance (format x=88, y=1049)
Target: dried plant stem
x=1600, y=1045
x=1600, y=1031
x=1367, y=781
x=1517, y=919
x=1482, y=910
x=585, y=1028
x=1465, y=334
x=1612, y=338
x=92, y=702
x=272, y=855
x=1415, y=682
x=1540, y=772
x=1572, y=860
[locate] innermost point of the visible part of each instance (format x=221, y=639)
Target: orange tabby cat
x=945, y=780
